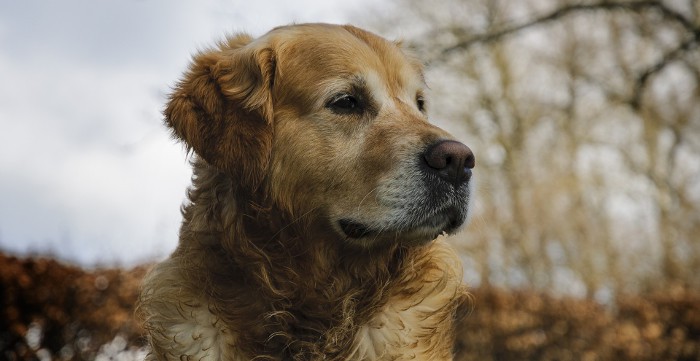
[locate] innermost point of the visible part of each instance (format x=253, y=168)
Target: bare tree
x=585, y=118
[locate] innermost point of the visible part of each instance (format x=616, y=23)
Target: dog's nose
x=451, y=160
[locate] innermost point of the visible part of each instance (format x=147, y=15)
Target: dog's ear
x=222, y=108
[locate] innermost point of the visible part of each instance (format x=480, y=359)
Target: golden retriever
x=319, y=194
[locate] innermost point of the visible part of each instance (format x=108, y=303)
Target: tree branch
x=669, y=57
x=635, y=6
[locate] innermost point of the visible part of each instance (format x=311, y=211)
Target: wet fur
x=258, y=273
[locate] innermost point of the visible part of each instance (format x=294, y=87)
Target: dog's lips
x=445, y=222
x=354, y=229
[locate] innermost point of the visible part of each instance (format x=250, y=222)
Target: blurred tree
x=585, y=119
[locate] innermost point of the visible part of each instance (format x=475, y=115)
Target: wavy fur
x=262, y=274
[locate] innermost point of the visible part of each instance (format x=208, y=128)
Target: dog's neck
x=301, y=273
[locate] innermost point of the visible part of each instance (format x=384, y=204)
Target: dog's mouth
x=445, y=222
x=355, y=230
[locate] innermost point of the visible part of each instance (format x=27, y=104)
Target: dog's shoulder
x=179, y=320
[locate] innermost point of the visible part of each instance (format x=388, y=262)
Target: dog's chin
x=417, y=234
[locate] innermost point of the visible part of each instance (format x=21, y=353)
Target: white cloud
x=92, y=172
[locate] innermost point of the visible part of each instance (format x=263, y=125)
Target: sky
x=88, y=172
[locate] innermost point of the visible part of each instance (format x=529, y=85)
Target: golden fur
x=310, y=228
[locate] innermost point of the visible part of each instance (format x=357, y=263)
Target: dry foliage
x=523, y=325
x=71, y=313
x=79, y=315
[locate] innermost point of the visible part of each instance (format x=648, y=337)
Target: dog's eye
x=420, y=102
x=344, y=104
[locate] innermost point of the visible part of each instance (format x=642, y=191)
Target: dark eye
x=344, y=104
x=420, y=102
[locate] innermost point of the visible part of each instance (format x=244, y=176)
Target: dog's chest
x=399, y=332
x=415, y=323
x=405, y=331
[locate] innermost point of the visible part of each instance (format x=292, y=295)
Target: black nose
x=451, y=160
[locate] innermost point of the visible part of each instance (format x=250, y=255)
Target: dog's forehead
x=324, y=53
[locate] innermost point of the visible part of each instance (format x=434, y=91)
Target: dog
x=319, y=195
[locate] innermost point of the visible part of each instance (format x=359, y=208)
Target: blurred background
x=584, y=117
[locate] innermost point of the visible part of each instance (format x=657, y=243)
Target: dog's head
x=330, y=121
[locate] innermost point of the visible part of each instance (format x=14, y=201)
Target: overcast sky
x=87, y=170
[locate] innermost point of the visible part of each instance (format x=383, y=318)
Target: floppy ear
x=222, y=108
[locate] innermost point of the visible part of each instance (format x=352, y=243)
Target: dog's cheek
x=296, y=175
